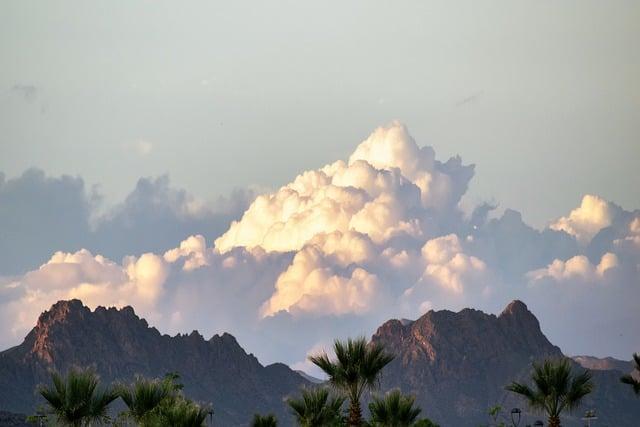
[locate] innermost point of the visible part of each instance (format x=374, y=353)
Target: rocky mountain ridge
x=121, y=345
x=457, y=365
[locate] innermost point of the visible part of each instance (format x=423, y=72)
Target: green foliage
x=495, y=412
x=630, y=380
x=316, y=408
x=264, y=421
x=393, y=410
x=77, y=399
x=159, y=402
x=555, y=389
x=357, y=368
x=181, y=412
x=425, y=422
x=144, y=398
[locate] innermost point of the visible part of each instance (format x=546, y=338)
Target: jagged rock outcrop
x=120, y=345
x=457, y=365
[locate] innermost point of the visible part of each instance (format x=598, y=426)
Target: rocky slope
x=120, y=345
x=457, y=365
x=604, y=364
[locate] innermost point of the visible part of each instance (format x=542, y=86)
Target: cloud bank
x=342, y=248
x=40, y=215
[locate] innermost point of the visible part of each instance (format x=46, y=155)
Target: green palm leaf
x=555, y=388
x=356, y=368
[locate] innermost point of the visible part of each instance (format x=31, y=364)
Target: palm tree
x=264, y=421
x=556, y=388
x=393, y=410
x=77, y=399
x=357, y=368
x=144, y=397
x=317, y=409
x=181, y=412
x=629, y=379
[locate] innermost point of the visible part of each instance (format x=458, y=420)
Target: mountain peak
x=121, y=345
x=516, y=307
x=62, y=309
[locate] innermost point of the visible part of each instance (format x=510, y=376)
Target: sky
x=132, y=134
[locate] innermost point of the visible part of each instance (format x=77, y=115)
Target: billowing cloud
x=316, y=285
x=584, y=222
x=342, y=248
x=389, y=187
x=577, y=268
x=40, y=215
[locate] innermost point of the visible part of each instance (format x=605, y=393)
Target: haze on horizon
x=271, y=170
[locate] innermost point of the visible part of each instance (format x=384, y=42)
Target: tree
x=77, y=399
x=357, y=368
x=393, y=410
x=159, y=402
x=181, y=412
x=317, y=408
x=425, y=422
x=264, y=421
x=629, y=379
x=144, y=398
x=556, y=388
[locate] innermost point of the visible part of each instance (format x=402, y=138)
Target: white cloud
x=450, y=268
x=577, y=268
x=341, y=249
x=313, y=284
x=584, y=222
x=383, y=191
x=194, y=249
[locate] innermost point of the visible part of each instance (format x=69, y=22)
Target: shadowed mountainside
x=120, y=345
x=457, y=365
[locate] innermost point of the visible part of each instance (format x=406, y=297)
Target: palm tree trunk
x=355, y=414
x=554, y=421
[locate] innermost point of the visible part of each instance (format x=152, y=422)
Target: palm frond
x=555, y=387
x=394, y=409
x=269, y=420
x=317, y=408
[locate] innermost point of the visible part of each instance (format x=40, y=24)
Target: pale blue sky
x=544, y=97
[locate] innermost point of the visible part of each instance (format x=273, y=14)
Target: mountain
x=457, y=365
x=310, y=378
x=120, y=345
x=604, y=364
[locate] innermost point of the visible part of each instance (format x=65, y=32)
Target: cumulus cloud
x=389, y=187
x=313, y=284
x=448, y=266
x=584, y=222
x=93, y=279
x=577, y=268
x=40, y=215
x=342, y=248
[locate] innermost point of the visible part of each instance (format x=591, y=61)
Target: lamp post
x=515, y=416
x=211, y=417
x=589, y=416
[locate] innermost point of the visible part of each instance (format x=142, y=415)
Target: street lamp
x=515, y=416
x=589, y=416
x=211, y=416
